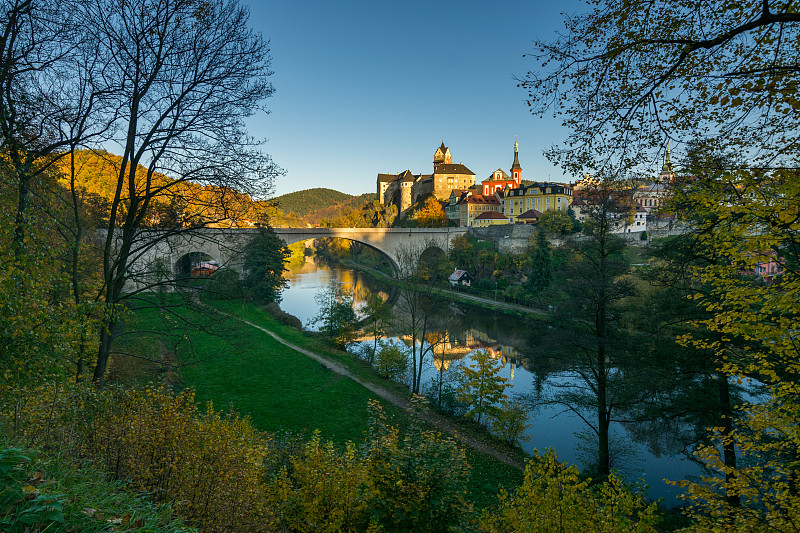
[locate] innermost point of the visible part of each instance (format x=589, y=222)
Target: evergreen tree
x=541, y=264
x=264, y=258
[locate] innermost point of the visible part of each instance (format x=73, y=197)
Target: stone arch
x=291, y=239
x=194, y=263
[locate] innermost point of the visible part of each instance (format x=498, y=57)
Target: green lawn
x=242, y=368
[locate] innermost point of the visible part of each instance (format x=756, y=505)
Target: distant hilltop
x=312, y=205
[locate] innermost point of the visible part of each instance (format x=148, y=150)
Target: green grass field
x=241, y=368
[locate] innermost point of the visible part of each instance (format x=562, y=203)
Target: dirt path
x=439, y=421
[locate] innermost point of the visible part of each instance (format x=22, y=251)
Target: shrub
x=41, y=493
x=208, y=465
x=552, y=498
x=391, y=362
x=510, y=421
x=418, y=480
x=223, y=285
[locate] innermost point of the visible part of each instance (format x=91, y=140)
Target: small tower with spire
x=442, y=156
x=516, y=169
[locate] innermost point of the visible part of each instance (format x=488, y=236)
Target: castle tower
x=442, y=156
x=516, y=170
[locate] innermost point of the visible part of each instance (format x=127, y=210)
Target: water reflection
x=542, y=363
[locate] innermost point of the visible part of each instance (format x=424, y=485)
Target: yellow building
x=539, y=196
x=474, y=205
x=489, y=218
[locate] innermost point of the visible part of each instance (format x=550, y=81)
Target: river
x=644, y=451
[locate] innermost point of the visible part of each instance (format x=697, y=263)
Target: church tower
x=667, y=172
x=442, y=156
x=516, y=170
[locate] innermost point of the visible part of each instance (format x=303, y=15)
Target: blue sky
x=368, y=87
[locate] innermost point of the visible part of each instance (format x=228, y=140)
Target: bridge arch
x=227, y=244
x=392, y=242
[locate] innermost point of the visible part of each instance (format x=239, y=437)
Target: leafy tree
x=596, y=288
x=336, y=314
x=631, y=74
x=432, y=215
x=623, y=76
x=178, y=83
x=482, y=386
x=554, y=498
x=418, y=308
x=263, y=266
x=555, y=222
x=462, y=253
x=724, y=206
x=378, y=313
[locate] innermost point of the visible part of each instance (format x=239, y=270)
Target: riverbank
x=458, y=296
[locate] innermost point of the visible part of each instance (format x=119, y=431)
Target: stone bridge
x=225, y=245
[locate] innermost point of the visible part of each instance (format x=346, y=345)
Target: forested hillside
x=313, y=205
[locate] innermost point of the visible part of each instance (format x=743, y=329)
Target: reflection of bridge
x=225, y=245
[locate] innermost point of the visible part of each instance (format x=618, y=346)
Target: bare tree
x=418, y=308
x=38, y=106
x=179, y=79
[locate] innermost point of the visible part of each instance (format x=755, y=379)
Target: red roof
x=491, y=215
x=530, y=213
x=482, y=199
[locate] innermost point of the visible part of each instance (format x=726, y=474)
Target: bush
x=40, y=493
x=552, y=498
x=510, y=422
x=223, y=285
x=391, y=362
x=208, y=465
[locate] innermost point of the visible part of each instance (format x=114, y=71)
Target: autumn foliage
x=221, y=474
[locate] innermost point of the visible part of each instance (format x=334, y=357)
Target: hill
x=312, y=205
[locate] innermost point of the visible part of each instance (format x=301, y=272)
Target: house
x=474, y=205
x=531, y=216
x=767, y=266
x=489, y=218
x=460, y=277
x=453, y=209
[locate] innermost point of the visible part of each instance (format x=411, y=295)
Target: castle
x=405, y=188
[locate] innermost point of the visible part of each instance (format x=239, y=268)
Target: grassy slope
x=283, y=390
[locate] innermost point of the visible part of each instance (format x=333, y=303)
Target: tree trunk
x=603, y=455
x=728, y=448
x=21, y=217
x=103, y=352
